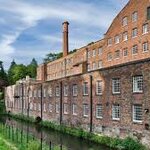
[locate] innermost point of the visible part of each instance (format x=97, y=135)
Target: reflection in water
x=52, y=137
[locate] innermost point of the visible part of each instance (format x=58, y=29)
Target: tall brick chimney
x=65, y=38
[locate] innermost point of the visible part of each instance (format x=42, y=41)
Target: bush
x=33, y=145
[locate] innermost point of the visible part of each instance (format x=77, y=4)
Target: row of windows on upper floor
x=137, y=115
x=116, y=88
x=124, y=36
x=125, y=51
x=134, y=17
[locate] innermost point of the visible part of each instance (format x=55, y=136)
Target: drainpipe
x=91, y=104
x=60, y=102
x=22, y=97
x=41, y=102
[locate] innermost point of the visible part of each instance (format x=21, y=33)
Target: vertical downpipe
x=61, y=103
x=91, y=104
x=41, y=102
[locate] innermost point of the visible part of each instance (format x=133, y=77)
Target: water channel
x=72, y=143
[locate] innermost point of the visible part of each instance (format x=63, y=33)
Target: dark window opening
x=148, y=13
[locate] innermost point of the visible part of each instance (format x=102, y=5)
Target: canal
x=51, y=136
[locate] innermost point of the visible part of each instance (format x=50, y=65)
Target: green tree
x=11, y=73
x=19, y=72
x=31, y=68
x=52, y=56
x=3, y=76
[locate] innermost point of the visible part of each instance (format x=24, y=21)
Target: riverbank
x=114, y=143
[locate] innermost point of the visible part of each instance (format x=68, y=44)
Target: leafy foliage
x=19, y=71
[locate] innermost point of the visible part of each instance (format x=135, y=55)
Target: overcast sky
x=33, y=28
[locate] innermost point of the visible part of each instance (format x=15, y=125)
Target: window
x=85, y=88
x=75, y=90
x=66, y=108
x=134, y=16
x=65, y=90
x=109, y=42
x=137, y=113
x=89, y=54
x=100, y=51
x=57, y=90
x=39, y=106
x=35, y=93
x=44, y=107
x=99, y=87
x=94, y=65
x=39, y=93
x=85, y=110
x=125, y=52
x=145, y=47
x=148, y=13
x=50, y=107
x=50, y=91
x=134, y=32
x=125, y=21
x=57, y=108
x=100, y=64
x=74, y=109
x=117, y=54
x=116, y=86
x=117, y=39
x=135, y=49
x=99, y=111
x=145, y=28
x=138, y=84
x=94, y=53
x=125, y=36
x=44, y=92
x=116, y=112
x=88, y=67
x=109, y=56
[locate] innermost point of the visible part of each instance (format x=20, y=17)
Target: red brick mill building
x=103, y=87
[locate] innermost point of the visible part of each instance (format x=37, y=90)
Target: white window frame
x=99, y=111
x=74, y=109
x=138, y=84
x=116, y=112
x=57, y=108
x=109, y=42
x=125, y=36
x=145, y=47
x=50, y=92
x=57, y=91
x=99, y=87
x=94, y=52
x=66, y=108
x=134, y=16
x=66, y=88
x=145, y=28
x=85, y=110
x=137, y=113
x=117, y=54
x=50, y=107
x=125, y=52
x=134, y=49
x=85, y=88
x=100, y=64
x=134, y=32
x=125, y=21
x=75, y=90
x=100, y=51
x=109, y=56
x=117, y=39
x=116, y=86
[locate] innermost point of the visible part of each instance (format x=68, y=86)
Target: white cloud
x=27, y=15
